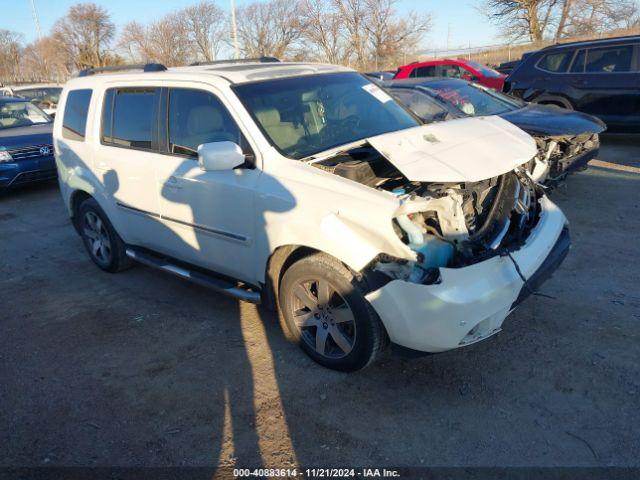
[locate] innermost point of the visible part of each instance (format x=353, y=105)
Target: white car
x=44, y=96
x=306, y=187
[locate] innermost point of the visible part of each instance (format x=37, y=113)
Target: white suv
x=308, y=188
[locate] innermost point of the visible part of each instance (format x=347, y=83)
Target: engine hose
x=494, y=207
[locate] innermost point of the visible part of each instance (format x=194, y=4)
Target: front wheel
x=326, y=312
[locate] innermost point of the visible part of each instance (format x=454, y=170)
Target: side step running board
x=209, y=281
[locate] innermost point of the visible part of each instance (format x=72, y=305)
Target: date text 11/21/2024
x=317, y=472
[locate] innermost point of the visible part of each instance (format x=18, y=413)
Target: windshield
x=21, y=114
x=474, y=100
x=42, y=97
x=486, y=71
x=303, y=116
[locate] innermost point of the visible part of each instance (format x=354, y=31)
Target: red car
x=465, y=69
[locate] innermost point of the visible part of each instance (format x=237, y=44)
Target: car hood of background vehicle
x=461, y=150
x=20, y=137
x=551, y=120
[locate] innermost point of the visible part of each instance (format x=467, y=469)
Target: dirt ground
x=141, y=368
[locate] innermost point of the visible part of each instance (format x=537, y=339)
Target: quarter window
x=74, y=122
x=556, y=62
x=197, y=117
x=609, y=60
x=129, y=117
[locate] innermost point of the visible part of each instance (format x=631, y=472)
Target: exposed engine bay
x=446, y=224
x=558, y=153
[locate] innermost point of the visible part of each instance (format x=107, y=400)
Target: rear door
x=209, y=216
x=125, y=161
x=607, y=80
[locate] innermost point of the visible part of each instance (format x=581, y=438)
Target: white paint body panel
x=461, y=150
x=248, y=214
x=435, y=318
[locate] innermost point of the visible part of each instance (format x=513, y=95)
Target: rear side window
x=129, y=117
x=420, y=72
x=557, y=62
x=74, y=122
x=197, y=117
x=609, y=60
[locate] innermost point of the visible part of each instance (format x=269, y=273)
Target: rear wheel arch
x=77, y=197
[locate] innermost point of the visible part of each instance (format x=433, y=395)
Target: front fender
x=335, y=235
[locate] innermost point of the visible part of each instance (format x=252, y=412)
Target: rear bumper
x=470, y=303
x=27, y=171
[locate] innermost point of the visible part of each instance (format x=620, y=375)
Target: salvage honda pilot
x=307, y=188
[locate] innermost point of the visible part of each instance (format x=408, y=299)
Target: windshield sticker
x=378, y=93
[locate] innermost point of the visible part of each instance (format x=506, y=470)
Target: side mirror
x=220, y=156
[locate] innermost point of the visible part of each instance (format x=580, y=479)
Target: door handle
x=173, y=182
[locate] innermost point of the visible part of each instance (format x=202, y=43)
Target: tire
x=103, y=244
x=325, y=311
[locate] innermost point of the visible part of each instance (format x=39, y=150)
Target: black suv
x=599, y=77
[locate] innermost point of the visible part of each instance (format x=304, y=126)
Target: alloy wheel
x=323, y=318
x=97, y=238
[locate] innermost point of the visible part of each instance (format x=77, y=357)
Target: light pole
x=234, y=29
x=35, y=19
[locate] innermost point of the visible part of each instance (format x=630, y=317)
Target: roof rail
x=145, y=67
x=593, y=40
x=237, y=60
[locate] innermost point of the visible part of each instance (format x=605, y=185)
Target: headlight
x=5, y=156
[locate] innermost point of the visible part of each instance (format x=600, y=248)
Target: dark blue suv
x=26, y=143
x=599, y=77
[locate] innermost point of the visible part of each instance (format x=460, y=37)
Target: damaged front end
x=469, y=248
x=455, y=225
x=560, y=155
x=444, y=224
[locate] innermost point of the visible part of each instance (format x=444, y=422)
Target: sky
x=456, y=23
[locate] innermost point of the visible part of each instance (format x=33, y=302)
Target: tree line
x=537, y=20
x=366, y=34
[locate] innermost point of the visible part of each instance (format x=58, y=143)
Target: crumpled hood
x=461, y=150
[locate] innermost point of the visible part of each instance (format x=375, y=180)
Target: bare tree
x=521, y=18
x=392, y=36
x=205, y=24
x=10, y=50
x=562, y=22
x=325, y=31
x=85, y=32
x=269, y=28
x=133, y=42
x=165, y=41
x=355, y=18
x=46, y=59
x=588, y=17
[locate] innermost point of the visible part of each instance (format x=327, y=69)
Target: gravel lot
x=141, y=368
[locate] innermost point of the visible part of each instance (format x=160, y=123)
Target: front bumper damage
x=559, y=156
x=470, y=303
